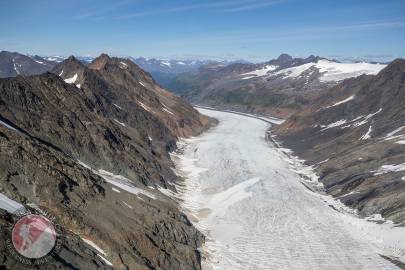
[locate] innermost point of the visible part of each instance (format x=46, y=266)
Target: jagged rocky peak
x=395, y=67
x=106, y=62
x=119, y=68
x=284, y=57
x=105, y=59
x=71, y=70
x=7, y=53
x=71, y=58
x=100, y=61
x=286, y=60
x=72, y=61
x=313, y=58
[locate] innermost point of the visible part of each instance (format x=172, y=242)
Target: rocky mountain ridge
x=13, y=64
x=353, y=135
x=89, y=145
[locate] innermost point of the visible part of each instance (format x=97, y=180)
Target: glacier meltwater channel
x=243, y=194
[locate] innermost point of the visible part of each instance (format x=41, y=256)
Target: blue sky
x=256, y=30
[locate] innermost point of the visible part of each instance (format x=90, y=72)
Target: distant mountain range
x=280, y=86
x=34, y=64
x=169, y=66
x=13, y=64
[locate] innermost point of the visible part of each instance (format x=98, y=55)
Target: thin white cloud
x=285, y=34
x=96, y=12
x=220, y=6
x=358, y=26
x=251, y=6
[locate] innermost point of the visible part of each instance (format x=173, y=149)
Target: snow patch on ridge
x=390, y=168
x=144, y=106
x=119, y=181
x=341, y=102
x=8, y=126
x=127, y=205
x=391, y=134
x=99, y=250
x=167, y=109
x=123, y=183
x=15, y=67
x=39, y=62
x=399, y=138
x=71, y=79
x=367, y=135
x=122, y=124
x=107, y=262
x=334, y=124
x=115, y=105
x=357, y=122
x=166, y=64
x=93, y=245
x=9, y=205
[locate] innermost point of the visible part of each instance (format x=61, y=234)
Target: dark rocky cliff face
x=353, y=135
x=136, y=232
x=113, y=117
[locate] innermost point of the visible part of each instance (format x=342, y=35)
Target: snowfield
x=248, y=197
x=330, y=71
x=259, y=72
x=333, y=71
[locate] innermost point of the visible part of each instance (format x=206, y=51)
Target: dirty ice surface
x=242, y=193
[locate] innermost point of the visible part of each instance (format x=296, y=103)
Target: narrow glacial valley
x=247, y=196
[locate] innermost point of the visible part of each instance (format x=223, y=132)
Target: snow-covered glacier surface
x=244, y=195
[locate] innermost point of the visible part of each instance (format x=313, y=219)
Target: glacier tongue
x=244, y=195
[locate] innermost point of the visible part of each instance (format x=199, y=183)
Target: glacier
x=248, y=197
